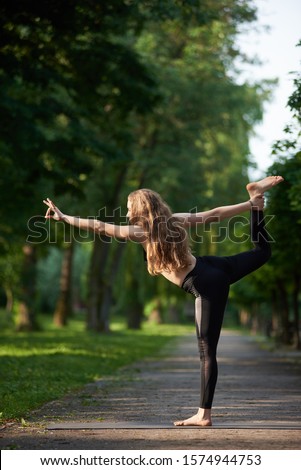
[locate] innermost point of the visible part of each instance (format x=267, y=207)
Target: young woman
x=165, y=241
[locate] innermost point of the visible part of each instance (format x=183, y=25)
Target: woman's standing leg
x=213, y=286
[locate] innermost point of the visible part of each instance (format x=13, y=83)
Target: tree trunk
x=63, y=309
x=244, y=318
x=285, y=327
x=296, y=290
x=275, y=314
x=254, y=318
x=26, y=314
x=97, y=312
x=134, y=307
x=107, y=297
x=9, y=299
x=156, y=313
x=96, y=281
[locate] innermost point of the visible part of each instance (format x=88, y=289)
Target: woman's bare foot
x=202, y=418
x=259, y=187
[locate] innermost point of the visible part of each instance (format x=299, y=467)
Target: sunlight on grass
x=39, y=367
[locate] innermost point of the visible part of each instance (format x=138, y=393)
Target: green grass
x=39, y=367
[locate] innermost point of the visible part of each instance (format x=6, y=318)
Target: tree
x=195, y=144
x=54, y=102
x=136, y=164
x=63, y=309
x=286, y=205
x=103, y=97
x=281, y=276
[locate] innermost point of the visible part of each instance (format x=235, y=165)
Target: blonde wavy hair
x=167, y=247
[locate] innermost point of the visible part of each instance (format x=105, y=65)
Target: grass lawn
x=39, y=367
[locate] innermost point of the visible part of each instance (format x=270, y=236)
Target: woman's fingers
x=47, y=215
x=49, y=203
x=51, y=208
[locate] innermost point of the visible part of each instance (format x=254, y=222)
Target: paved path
x=257, y=404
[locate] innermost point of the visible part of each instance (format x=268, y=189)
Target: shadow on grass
x=43, y=366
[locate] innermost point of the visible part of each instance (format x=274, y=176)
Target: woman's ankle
x=204, y=413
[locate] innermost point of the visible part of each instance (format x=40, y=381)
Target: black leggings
x=209, y=282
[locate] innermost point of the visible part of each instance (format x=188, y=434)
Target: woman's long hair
x=167, y=246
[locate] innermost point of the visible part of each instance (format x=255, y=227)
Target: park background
x=98, y=99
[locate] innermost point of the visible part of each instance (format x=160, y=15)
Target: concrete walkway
x=257, y=404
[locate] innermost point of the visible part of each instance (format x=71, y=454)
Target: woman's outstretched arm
x=219, y=213
x=129, y=232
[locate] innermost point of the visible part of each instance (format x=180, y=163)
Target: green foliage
x=61, y=75
x=279, y=283
x=275, y=282
x=284, y=204
x=99, y=98
x=40, y=367
x=195, y=145
x=285, y=200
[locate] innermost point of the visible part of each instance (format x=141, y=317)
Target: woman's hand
x=57, y=214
